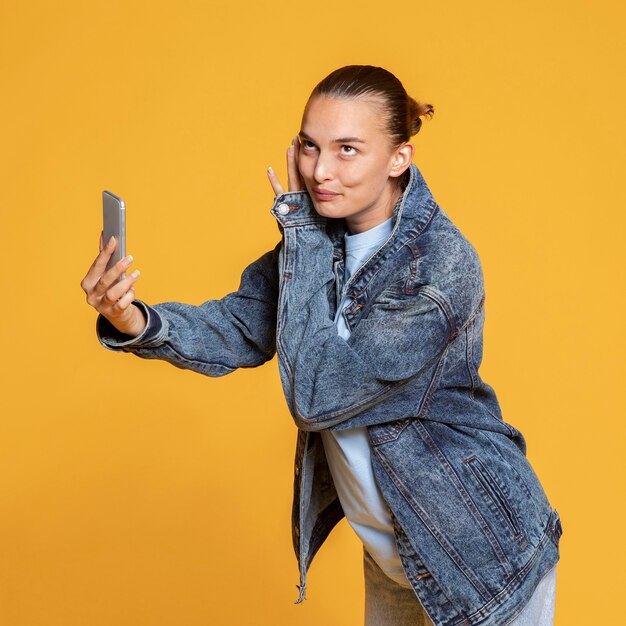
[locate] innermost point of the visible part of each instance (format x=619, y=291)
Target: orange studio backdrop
x=135, y=493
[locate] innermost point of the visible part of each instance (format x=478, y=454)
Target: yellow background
x=134, y=493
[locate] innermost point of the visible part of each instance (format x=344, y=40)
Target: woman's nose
x=323, y=169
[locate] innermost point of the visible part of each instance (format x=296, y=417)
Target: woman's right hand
x=110, y=298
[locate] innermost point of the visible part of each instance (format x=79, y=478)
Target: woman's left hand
x=294, y=180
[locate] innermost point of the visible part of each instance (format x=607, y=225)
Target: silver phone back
x=114, y=224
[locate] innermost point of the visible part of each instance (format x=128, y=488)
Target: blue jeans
x=389, y=604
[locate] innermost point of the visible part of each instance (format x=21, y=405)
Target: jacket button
x=297, y=531
x=297, y=470
x=283, y=208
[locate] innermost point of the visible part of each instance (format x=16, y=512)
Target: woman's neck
x=360, y=223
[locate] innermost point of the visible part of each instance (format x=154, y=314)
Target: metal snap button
x=283, y=208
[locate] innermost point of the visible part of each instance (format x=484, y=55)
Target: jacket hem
x=500, y=610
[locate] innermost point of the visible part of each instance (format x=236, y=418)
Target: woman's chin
x=326, y=209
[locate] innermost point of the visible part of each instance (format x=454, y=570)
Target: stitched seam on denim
x=469, y=356
x=474, y=313
x=434, y=208
x=286, y=273
x=200, y=365
x=391, y=434
x=135, y=343
x=438, y=607
x=301, y=511
x=375, y=271
x=433, y=295
x=471, y=505
x=286, y=195
x=432, y=386
x=301, y=445
x=161, y=336
x=522, y=482
x=495, y=493
x=491, y=414
x=434, y=531
x=513, y=583
x=359, y=308
x=369, y=265
x=357, y=405
x=322, y=527
x=303, y=222
x=338, y=272
x=409, y=283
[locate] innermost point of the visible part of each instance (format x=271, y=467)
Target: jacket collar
x=413, y=211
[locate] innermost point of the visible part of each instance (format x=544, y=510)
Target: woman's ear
x=403, y=155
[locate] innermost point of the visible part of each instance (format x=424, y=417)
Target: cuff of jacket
x=154, y=334
x=295, y=208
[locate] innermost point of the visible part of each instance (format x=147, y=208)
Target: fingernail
x=270, y=170
x=295, y=140
x=111, y=240
x=128, y=260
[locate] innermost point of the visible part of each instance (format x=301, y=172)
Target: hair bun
x=417, y=110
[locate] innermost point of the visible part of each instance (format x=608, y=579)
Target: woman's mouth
x=324, y=195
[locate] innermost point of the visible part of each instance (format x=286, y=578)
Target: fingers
x=98, y=266
x=121, y=294
x=106, y=251
x=98, y=281
x=293, y=174
x=110, y=278
x=106, y=293
x=125, y=301
x=294, y=180
x=276, y=186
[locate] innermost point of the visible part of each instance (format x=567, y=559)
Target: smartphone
x=114, y=224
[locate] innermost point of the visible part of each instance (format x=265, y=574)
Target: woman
x=374, y=302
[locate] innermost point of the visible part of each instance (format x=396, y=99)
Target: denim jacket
x=474, y=528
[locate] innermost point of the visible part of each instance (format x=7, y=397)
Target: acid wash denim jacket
x=474, y=528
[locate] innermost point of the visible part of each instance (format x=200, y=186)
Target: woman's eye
x=349, y=150
x=307, y=145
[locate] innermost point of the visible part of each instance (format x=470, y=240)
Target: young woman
x=373, y=301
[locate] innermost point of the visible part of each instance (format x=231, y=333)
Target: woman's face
x=347, y=162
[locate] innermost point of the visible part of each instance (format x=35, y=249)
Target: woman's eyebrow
x=339, y=140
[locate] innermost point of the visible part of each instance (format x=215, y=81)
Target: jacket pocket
x=387, y=431
x=494, y=493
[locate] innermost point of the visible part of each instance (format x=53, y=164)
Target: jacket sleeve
x=328, y=380
x=215, y=337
